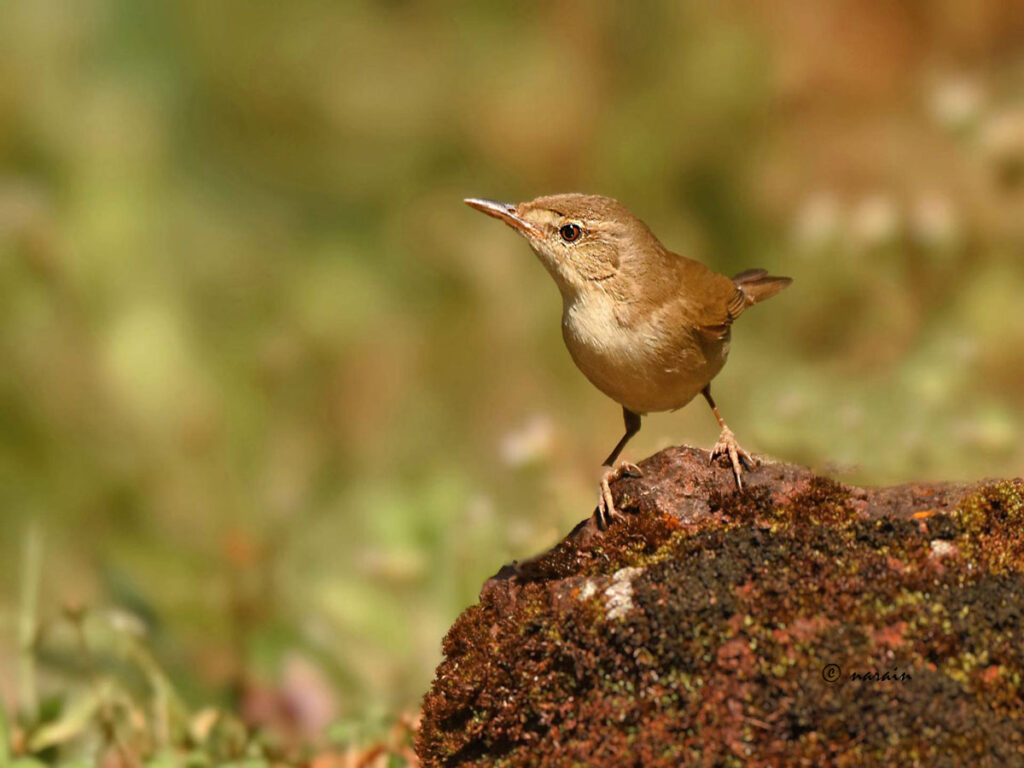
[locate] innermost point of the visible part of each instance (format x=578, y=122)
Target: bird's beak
x=504, y=211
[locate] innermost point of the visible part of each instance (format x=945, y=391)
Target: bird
x=648, y=327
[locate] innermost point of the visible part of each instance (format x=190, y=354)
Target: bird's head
x=583, y=240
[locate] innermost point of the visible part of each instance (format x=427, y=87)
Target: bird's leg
x=727, y=445
x=632, y=421
x=605, y=503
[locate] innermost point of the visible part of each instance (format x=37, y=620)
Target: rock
x=797, y=622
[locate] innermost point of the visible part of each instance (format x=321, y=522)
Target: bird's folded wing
x=715, y=299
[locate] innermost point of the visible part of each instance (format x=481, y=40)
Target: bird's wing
x=695, y=296
x=720, y=300
x=713, y=301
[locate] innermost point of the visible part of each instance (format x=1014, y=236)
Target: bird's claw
x=739, y=458
x=606, y=510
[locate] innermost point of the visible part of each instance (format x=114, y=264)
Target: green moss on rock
x=994, y=520
x=662, y=643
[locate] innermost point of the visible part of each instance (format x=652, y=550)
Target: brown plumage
x=648, y=327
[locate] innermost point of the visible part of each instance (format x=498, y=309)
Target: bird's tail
x=757, y=285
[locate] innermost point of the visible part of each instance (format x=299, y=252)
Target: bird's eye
x=570, y=232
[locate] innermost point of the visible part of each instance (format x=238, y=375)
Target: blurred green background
x=275, y=401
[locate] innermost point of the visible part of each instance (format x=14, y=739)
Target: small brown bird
x=648, y=327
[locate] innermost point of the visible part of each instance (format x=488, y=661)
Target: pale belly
x=645, y=368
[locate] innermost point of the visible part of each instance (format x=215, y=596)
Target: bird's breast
x=641, y=360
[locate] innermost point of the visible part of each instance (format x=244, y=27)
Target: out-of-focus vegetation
x=273, y=402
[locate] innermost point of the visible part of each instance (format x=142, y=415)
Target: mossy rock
x=798, y=622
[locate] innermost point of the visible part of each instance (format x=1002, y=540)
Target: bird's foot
x=740, y=459
x=606, y=510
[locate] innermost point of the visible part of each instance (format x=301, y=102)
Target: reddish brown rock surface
x=798, y=622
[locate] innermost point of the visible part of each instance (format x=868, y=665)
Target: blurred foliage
x=274, y=397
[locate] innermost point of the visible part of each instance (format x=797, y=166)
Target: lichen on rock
x=799, y=621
